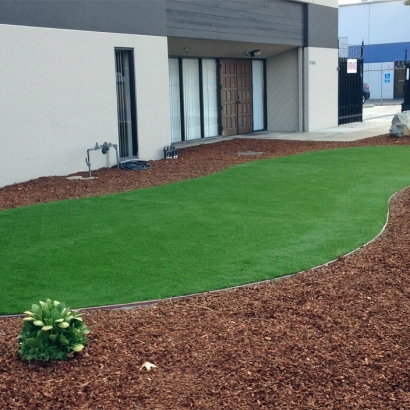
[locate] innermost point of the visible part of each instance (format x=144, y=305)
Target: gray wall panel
x=266, y=21
x=321, y=26
x=283, y=92
x=115, y=16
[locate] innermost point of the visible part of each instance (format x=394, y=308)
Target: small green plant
x=51, y=331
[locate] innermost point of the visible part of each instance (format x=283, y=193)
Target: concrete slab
x=374, y=111
x=79, y=178
x=376, y=121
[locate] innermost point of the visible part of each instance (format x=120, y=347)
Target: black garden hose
x=133, y=165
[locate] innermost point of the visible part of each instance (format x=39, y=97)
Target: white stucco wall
x=58, y=98
x=320, y=88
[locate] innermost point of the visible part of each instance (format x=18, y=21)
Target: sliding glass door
x=190, y=86
x=258, y=95
x=174, y=95
x=210, y=97
x=193, y=98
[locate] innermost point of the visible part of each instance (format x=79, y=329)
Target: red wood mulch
x=333, y=338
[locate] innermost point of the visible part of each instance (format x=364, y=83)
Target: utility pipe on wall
x=104, y=148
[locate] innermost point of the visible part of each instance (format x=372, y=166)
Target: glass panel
x=258, y=100
x=190, y=71
x=174, y=99
x=125, y=99
x=209, y=84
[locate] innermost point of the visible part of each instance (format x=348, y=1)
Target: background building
x=383, y=26
x=143, y=74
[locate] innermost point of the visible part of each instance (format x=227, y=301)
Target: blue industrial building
x=383, y=27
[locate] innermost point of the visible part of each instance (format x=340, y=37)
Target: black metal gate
x=406, y=88
x=350, y=90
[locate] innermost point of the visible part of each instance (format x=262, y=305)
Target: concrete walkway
x=377, y=120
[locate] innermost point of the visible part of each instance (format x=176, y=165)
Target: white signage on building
x=351, y=66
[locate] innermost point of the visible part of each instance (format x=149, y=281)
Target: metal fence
x=406, y=88
x=350, y=85
x=385, y=79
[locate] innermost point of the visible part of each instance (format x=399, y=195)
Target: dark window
x=127, y=130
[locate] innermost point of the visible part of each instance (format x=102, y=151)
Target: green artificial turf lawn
x=251, y=222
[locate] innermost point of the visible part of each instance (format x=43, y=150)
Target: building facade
x=143, y=74
x=383, y=26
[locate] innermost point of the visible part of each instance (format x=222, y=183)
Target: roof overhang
x=190, y=47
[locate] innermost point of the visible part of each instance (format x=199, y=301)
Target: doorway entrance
x=236, y=96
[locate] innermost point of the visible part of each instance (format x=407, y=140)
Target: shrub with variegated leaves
x=51, y=331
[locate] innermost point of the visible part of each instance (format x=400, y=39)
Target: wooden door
x=245, y=103
x=236, y=96
x=228, y=98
